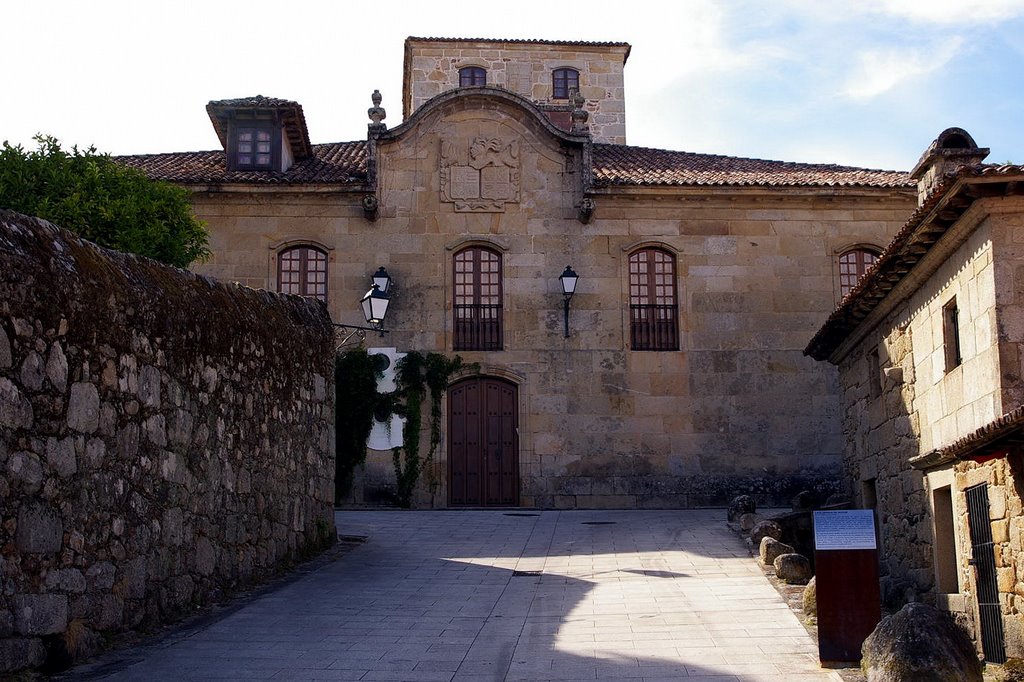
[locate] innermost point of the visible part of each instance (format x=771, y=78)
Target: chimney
x=952, y=149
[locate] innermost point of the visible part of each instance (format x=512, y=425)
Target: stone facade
x=525, y=67
x=164, y=440
x=732, y=408
x=927, y=370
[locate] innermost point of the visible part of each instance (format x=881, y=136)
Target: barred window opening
x=653, y=305
x=477, y=300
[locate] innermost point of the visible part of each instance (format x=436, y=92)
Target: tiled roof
x=258, y=101
x=623, y=165
x=523, y=41
x=613, y=165
x=924, y=227
x=329, y=164
x=980, y=444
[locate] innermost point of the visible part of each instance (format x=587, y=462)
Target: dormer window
x=253, y=148
x=472, y=75
x=564, y=82
x=260, y=133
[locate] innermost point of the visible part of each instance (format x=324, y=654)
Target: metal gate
x=984, y=561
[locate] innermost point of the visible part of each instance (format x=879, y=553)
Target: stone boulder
x=772, y=548
x=763, y=529
x=804, y=501
x=794, y=569
x=920, y=643
x=740, y=505
x=810, y=600
x=747, y=522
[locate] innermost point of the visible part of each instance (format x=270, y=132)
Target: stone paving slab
x=483, y=595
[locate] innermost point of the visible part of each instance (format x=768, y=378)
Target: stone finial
x=579, y=115
x=376, y=113
x=951, y=150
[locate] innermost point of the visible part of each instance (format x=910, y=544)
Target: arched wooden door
x=483, y=440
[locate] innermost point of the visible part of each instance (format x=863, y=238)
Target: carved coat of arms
x=483, y=178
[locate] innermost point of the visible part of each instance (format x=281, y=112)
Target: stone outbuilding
x=929, y=350
x=676, y=377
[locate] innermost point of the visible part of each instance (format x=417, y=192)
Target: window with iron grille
x=852, y=266
x=472, y=75
x=477, y=300
x=653, y=306
x=564, y=82
x=302, y=270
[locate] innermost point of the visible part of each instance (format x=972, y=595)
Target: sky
x=866, y=83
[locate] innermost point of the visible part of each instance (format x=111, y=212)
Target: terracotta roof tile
x=989, y=441
x=906, y=249
x=519, y=41
x=613, y=165
x=330, y=164
x=624, y=165
x=257, y=101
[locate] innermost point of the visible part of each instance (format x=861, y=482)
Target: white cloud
x=959, y=12
x=880, y=70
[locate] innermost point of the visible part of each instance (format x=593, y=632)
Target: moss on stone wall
x=164, y=439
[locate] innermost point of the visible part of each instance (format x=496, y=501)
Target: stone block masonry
x=164, y=439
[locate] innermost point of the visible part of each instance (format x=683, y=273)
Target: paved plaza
x=504, y=595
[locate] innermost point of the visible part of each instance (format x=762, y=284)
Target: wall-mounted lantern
x=568, y=280
x=375, y=308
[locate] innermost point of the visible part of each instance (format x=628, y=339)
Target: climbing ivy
x=355, y=403
x=417, y=375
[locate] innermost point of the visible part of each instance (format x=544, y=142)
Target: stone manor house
x=679, y=377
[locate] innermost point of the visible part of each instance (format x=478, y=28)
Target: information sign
x=844, y=529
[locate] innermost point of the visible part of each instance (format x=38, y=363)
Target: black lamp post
x=568, y=281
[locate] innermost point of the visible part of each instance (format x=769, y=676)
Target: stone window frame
x=472, y=73
x=565, y=90
x=842, y=289
x=277, y=249
x=671, y=342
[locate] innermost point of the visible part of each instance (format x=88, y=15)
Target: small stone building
x=929, y=347
x=677, y=379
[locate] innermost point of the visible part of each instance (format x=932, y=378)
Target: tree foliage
x=98, y=199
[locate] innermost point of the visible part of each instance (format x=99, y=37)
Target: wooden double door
x=483, y=443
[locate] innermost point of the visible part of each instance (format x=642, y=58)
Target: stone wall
x=902, y=401
x=164, y=440
x=432, y=67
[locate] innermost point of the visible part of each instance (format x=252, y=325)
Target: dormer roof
x=288, y=112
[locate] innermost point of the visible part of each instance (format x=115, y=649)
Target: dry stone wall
x=164, y=439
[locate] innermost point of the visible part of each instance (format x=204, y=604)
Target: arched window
x=852, y=266
x=564, y=82
x=653, y=301
x=477, y=300
x=302, y=270
x=472, y=75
